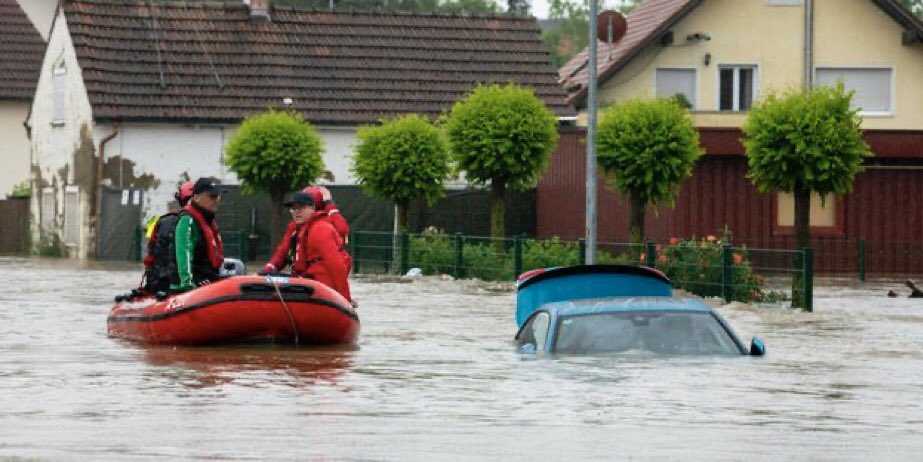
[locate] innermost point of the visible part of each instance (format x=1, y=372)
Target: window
x=737, y=87
x=534, y=332
x=873, y=95
x=58, y=85
x=826, y=216
x=71, y=215
x=672, y=82
x=47, y=211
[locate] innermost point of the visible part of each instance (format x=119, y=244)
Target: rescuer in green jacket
x=199, y=252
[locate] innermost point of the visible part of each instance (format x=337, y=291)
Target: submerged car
x=600, y=309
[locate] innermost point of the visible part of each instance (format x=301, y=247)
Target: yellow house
x=722, y=56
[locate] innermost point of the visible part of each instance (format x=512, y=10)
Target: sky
x=540, y=7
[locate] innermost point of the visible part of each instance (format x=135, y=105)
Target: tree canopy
x=647, y=147
x=502, y=135
x=275, y=152
x=402, y=159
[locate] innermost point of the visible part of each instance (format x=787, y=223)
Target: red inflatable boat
x=240, y=309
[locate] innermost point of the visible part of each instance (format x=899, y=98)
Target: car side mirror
x=757, y=347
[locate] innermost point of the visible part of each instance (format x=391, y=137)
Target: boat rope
x=285, y=307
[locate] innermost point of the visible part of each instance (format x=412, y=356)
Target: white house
x=21, y=25
x=155, y=89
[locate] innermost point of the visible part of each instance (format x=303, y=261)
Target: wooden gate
x=14, y=226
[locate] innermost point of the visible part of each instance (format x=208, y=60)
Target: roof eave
x=655, y=36
x=903, y=16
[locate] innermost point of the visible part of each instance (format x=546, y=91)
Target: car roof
x=628, y=304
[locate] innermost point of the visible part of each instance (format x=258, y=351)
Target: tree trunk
x=402, y=216
x=276, y=223
x=802, y=240
x=636, y=226
x=498, y=211
x=802, y=219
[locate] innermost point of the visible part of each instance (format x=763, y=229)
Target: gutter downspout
x=98, y=181
x=808, y=44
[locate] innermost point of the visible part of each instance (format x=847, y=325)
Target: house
x=21, y=23
x=155, y=89
x=722, y=55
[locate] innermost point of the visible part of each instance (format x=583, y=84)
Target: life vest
x=303, y=258
x=208, y=255
x=160, y=261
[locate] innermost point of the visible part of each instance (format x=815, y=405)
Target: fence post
x=139, y=241
x=582, y=244
x=862, y=259
x=517, y=257
x=354, y=245
x=651, y=255
x=808, y=268
x=459, y=256
x=727, y=274
x=405, y=252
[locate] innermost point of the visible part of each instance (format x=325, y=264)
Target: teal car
x=605, y=309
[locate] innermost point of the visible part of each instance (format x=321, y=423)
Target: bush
x=696, y=266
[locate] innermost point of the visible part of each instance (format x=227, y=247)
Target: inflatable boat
x=239, y=309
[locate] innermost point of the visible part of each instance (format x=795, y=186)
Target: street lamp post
x=590, y=256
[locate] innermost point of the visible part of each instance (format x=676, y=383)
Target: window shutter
x=673, y=81
x=58, y=84
x=872, y=86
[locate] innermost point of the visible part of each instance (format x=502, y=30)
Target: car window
x=534, y=332
x=679, y=333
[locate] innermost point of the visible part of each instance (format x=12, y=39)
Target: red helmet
x=184, y=193
x=316, y=195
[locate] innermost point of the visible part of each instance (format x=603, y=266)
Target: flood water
x=435, y=377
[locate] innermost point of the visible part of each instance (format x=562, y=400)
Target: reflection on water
x=436, y=377
x=221, y=365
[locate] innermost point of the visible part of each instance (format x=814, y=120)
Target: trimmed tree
x=275, y=152
x=805, y=142
x=400, y=160
x=502, y=135
x=647, y=147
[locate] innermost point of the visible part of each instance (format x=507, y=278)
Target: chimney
x=259, y=10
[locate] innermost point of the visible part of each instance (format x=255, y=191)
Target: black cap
x=207, y=185
x=299, y=198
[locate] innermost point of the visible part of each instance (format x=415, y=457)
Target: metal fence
x=702, y=267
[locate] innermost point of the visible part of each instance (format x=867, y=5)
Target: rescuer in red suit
x=311, y=246
x=334, y=217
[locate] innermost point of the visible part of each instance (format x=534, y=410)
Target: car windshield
x=674, y=333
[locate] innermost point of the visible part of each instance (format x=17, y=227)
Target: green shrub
x=22, y=190
x=433, y=252
x=696, y=266
x=51, y=246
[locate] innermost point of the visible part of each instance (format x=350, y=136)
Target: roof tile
x=204, y=60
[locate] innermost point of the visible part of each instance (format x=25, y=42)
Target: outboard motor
x=232, y=267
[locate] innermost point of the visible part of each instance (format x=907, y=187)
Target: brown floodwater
x=436, y=377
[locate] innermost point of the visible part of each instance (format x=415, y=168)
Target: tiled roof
x=21, y=53
x=647, y=23
x=207, y=61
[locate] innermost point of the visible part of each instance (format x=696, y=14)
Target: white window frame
x=59, y=71
x=695, y=103
x=735, y=104
x=892, y=103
